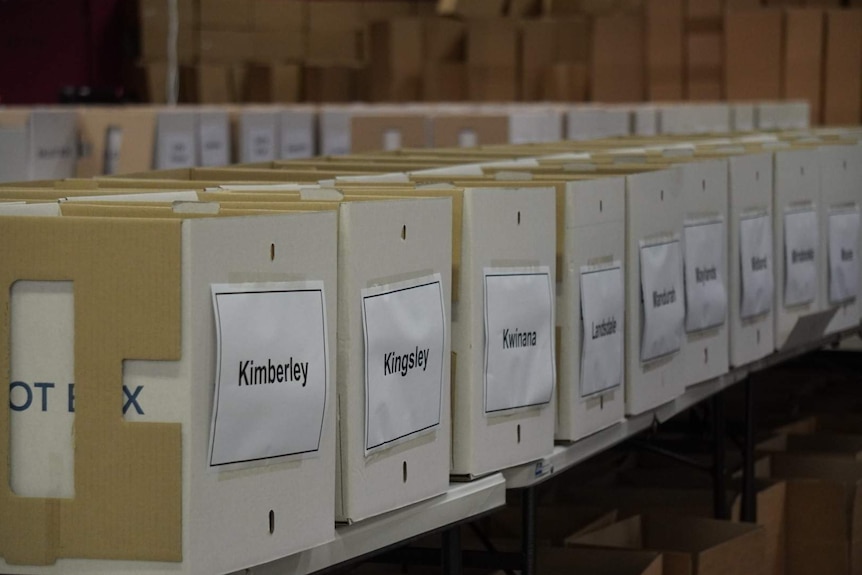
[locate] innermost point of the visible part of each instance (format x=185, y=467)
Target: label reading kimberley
x=405, y=342
x=271, y=371
x=519, y=338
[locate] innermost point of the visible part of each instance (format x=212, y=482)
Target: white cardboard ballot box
x=503, y=330
x=297, y=137
x=655, y=290
x=256, y=135
x=796, y=205
x=591, y=309
x=176, y=140
x=705, y=353
x=841, y=193
x=394, y=286
x=216, y=337
x=752, y=258
x=213, y=138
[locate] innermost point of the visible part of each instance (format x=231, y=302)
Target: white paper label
x=705, y=289
x=214, y=143
x=113, y=145
x=404, y=330
x=178, y=151
x=271, y=371
x=602, y=320
x=260, y=144
x=392, y=140
x=663, y=311
x=755, y=261
x=800, y=257
x=295, y=142
x=468, y=139
x=519, y=338
x=843, y=256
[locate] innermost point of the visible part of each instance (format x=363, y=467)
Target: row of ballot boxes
x=62, y=142
x=293, y=347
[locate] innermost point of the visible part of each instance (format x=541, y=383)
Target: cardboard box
x=142, y=481
x=256, y=132
x=176, y=140
x=51, y=149
x=742, y=117
x=842, y=69
x=538, y=53
x=503, y=416
x=373, y=132
x=444, y=40
x=704, y=15
x=492, y=84
x=272, y=83
x=802, y=58
x=154, y=43
x=287, y=17
x=565, y=83
x=214, y=141
x=617, y=70
x=664, y=47
x=444, y=82
x=278, y=46
x=471, y=8
x=155, y=12
x=115, y=141
x=573, y=40
x=226, y=14
x=467, y=131
x=752, y=47
x=396, y=60
x=298, y=136
x=705, y=66
x=330, y=83
x=416, y=237
x=209, y=84
x=13, y=154
x=225, y=46
x=594, y=231
x=377, y=10
x=335, y=33
x=492, y=44
x=689, y=545
x=590, y=122
x=599, y=561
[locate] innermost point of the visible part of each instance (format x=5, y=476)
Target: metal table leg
x=749, y=490
x=719, y=477
x=528, y=530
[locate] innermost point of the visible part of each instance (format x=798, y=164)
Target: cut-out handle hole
x=404, y=471
x=600, y=206
x=271, y=252
x=661, y=196
x=703, y=185
x=519, y=217
x=519, y=433
x=757, y=176
x=271, y=521
x=844, y=164
x=706, y=355
x=801, y=170
x=758, y=336
x=404, y=232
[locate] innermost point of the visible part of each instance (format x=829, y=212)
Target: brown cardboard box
x=525, y=8
x=554, y=523
x=272, y=83
x=752, y=47
x=691, y=546
x=449, y=131
x=376, y=10
x=136, y=128
x=573, y=40
x=209, y=84
x=444, y=82
x=842, y=90
x=226, y=14
x=704, y=62
x=225, y=46
x=376, y=132
x=492, y=43
x=395, y=63
x=154, y=43
x=155, y=85
x=330, y=83
x=492, y=83
x=591, y=7
x=538, y=53
x=663, y=21
x=802, y=58
x=444, y=40
x=336, y=33
x=155, y=12
x=563, y=561
x=278, y=46
x=285, y=16
x=471, y=8
x=617, y=64
x=564, y=82
x=703, y=15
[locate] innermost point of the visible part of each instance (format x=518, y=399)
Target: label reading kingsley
x=800, y=256
x=271, y=371
x=843, y=255
x=755, y=262
x=519, y=338
x=663, y=311
x=404, y=332
x=602, y=320
x=705, y=291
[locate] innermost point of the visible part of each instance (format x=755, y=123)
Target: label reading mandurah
x=800, y=256
x=705, y=291
x=272, y=372
x=663, y=311
x=404, y=330
x=755, y=262
x=519, y=338
x=602, y=320
x=843, y=256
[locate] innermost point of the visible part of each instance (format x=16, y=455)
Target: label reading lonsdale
x=800, y=256
x=602, y=320
x=404, y=332
x=705, y=291
x=843, y=256
x=271, y=371
x=519, y=338
x=755, y=262
x=663, y=311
